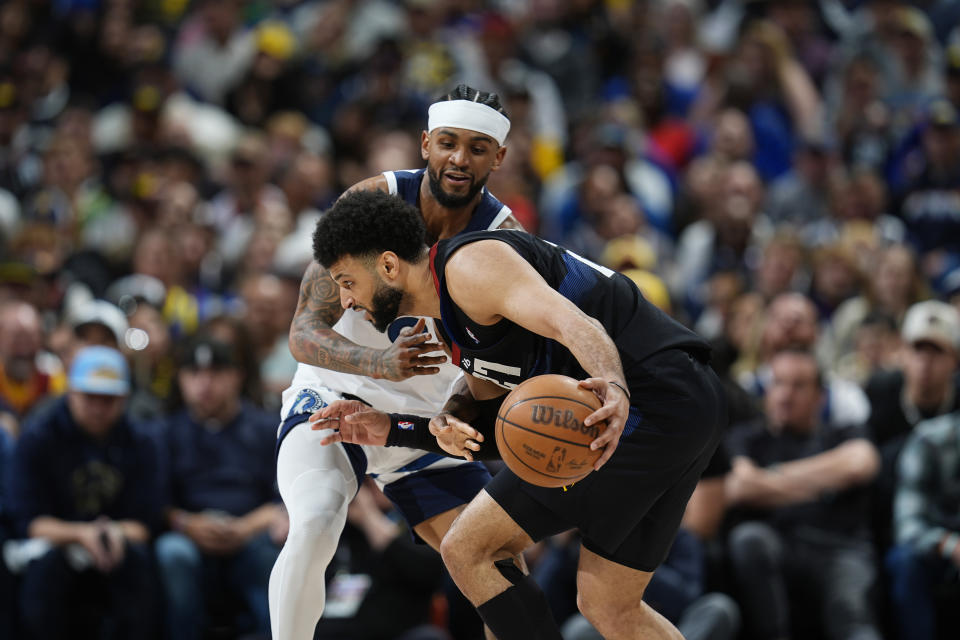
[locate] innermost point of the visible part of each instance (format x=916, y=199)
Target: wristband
x=621, y=387
x=407, y=431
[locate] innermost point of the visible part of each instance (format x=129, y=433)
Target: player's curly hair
x=365, y=224
x=464, y=92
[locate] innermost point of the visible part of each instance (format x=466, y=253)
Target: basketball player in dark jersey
x=513, y=306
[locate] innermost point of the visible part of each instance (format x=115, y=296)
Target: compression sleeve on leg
x=521, y=612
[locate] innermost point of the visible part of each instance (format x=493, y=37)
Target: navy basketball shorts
x=630, y=510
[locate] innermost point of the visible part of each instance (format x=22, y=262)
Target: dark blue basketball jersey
x=489, y=214
x=505, y=353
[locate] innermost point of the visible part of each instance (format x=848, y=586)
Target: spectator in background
x=927, y=527
x=213, y=50
x=269, y=305
x=148, y=348
x=857, y=197
x=270, y=83
x=781, y=267
x=894, y=285
x=926, y=385
x=799, y=489
x=766, y=81
x=87, y=480
x=858, y=116
x=834, y=279
x=233, y=332
x=98, y=322
x=800, y=196
x=876, y=348
x=791, y=322
x=8, y=594
x=930, y=205
x=27, y=374
x=732, y=226
x=222, y=504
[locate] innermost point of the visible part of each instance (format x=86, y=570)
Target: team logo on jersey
x=307, y=401
x=405, y=425
x=470, y=333
x=465, y=362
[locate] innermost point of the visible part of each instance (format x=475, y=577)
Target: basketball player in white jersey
x=397, y=369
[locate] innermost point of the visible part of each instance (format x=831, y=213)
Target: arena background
x=774, y=174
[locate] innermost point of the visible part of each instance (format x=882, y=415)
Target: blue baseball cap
x=100, y=370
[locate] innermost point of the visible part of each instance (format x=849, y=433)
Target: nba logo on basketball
x=556, y=459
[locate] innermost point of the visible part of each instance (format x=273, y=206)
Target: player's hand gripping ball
x=540, y=432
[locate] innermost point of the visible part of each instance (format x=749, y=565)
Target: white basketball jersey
x=422, y=395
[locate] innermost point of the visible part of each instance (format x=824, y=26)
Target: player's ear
x=425, y=145
x=498, y=159
x=388, y=265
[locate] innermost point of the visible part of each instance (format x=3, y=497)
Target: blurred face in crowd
x=792, y=402
x=151, y=336
x=221, y=18
x=791, y=322
x=942, y=146
x=894, y=278
x=835, y=277
x=266, y=302
x=928, y=369
x=733, y=138
x=155, y=256
x=877, y=344
x=211, y=393
x=94, y=333
x=95, y=413
x=860, y=83
x=778, y=266
x=20, y=339
x=67, y=163
x=459, y=162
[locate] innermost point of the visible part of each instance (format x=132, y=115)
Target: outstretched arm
x=355, y=422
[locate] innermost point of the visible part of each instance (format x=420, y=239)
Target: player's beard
x=385, y=306
x=451, y=201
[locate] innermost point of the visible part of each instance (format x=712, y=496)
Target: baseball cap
x=103, y=313
x=932, y=321
x=206, y=352
x=99, y=370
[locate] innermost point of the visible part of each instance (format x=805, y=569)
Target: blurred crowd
x=784, y=177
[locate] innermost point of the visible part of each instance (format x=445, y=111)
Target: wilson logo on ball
x=565, y=419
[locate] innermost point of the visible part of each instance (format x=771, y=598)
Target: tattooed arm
x=313, y=340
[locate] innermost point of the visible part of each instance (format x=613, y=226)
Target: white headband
x=464, y=114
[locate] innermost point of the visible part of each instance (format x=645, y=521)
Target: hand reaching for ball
x=455, y=436
x=352, y=421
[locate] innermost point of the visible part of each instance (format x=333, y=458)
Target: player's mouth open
x=457, y=179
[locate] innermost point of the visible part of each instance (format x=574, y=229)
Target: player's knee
x=315, y=534
x=612, y=615
x=458, y=551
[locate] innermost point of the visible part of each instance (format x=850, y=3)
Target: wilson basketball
x=540, y=431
